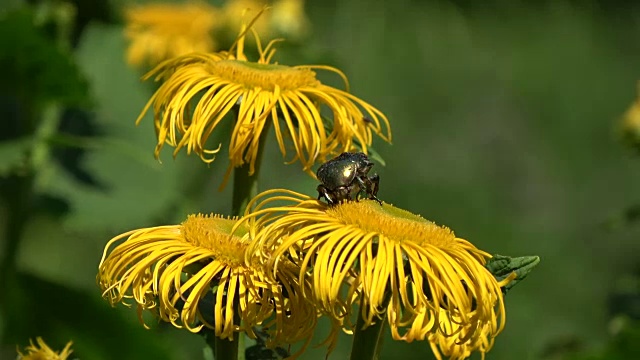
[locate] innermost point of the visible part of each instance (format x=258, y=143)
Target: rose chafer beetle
x=346, y=176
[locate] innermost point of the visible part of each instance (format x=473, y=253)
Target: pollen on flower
x=395, y=224
x=213, y=232
x=264, y=76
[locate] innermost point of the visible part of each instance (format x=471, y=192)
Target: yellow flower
x=288, y=18
x=235, y=11
x=43, y=352
x=430, y=283
x=199, y=90
x=285, y=18
x=163, y=31
x=194, y=275
x=450, y=341
x=630, y=123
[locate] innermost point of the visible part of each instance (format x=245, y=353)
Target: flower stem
x=39, y=124
x=225, y=349
x=367, y=342
x=211, y=340
x=245, y=187
x=18, y=201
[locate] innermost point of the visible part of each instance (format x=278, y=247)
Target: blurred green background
x=502, y=116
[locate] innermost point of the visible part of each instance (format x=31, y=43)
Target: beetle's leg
x=375, y=181
x=342, y=193
x=366, y=185
x=361, y=185
x=372, y=185
x=323, y=192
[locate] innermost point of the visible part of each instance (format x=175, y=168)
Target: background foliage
x=502, y=117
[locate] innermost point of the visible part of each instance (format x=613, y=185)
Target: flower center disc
x=214, y=234
x=265, y=76
x=387, y=220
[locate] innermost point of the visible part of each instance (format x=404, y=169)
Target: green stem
x=20, y=196
x=245, y=187
x=210, y=338
x=19, y=205
x=225, y=349
x=367, y=342
x=241, y=346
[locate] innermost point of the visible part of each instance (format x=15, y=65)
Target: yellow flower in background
x=236, y=11
x=194, y=275
x=431, y=284
x=199, y=91
x=630, y=124
x=289, y=19
x=41, y=351
x=160, y=31
x=285, y=18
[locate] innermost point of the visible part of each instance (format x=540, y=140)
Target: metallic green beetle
x=346, y=176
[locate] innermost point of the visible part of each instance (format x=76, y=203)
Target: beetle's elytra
x=346, y=176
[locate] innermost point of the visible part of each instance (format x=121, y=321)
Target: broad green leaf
x=502, y=266
x=207, y=353
x=138, y=186
x=109, y=143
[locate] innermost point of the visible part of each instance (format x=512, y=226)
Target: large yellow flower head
x=431, y=284
x=199, y=90
x=41, y=351
x=162, y=31
x=194, y=275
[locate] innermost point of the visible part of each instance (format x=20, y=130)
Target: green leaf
x=139, y=188
x=12, y=154
x=63, y=314
x=374, y=155
x=108, y=143
x=207, y=353
x=502, y=266
x=33, y=67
